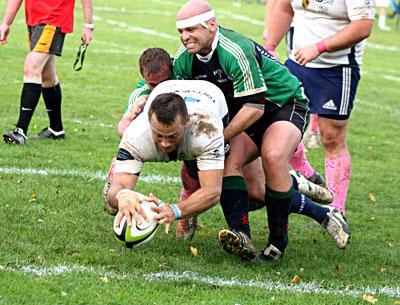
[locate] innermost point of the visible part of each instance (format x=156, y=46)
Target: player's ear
x=187, y=123
x=212, y=25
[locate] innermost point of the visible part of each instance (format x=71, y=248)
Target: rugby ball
x=137, y=234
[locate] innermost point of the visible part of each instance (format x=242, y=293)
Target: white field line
x=382, y=47
x=299, y=288
x=388, y=109
x=154, y=179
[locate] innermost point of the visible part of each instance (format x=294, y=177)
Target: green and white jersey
x=243, y=70
x=140, y=90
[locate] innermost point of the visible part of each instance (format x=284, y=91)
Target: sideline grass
x=66, y=224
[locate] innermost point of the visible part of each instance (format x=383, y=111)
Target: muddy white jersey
x=318, y=19
x=203, y=139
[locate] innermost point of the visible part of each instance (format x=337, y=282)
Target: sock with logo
x=29, y=99
x=235, y=203
x=52, y=98
x=337, y=172
x=305, y=206
x=278, y=209
x=300, y=163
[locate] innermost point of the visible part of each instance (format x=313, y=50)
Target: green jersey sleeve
x=140, y=90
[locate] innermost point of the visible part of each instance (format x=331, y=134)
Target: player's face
x=152, y=80
x=196, y=39
x=168, y=138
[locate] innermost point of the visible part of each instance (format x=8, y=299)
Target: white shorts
x=382, y=3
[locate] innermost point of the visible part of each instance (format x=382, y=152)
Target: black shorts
x=45, y=38
x=293, y=112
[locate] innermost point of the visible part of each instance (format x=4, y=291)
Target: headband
x=195, y=20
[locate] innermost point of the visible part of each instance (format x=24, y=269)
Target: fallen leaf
x=204, y=234
x=397, y=302
x=383, y=269
x=104, y=279
x=339, y=269
x=302, y=270
x=163, y=266
x=278, y=273
x=295, y=279
x=369, y=298
x=33, y=197
x=371, y=197
x=193, y=250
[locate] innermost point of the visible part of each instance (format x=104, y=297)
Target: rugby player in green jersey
x=265, y=101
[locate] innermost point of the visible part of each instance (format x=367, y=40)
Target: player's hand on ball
x=129, y=205
x=165, y=215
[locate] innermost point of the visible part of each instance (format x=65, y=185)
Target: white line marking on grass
x=153, y=179
x=299, y=288
x=382, y=47
x=390, y=110
x=390, y=77
x=60, y=270
x=240, y=17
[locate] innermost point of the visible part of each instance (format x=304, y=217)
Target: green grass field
x=57, y=244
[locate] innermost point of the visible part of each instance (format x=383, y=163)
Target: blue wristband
x=159, y=202
x=176, y=210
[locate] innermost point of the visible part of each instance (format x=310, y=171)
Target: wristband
x=176, y=210
x=124, y=191
x=159, y=202
x=270, y=47
x=321, y=47
x=89, y=26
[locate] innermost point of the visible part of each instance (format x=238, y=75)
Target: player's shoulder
x=233, y=43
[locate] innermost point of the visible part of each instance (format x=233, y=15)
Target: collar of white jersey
x=195, y=20
x=207, y=57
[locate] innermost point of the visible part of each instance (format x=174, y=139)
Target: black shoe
x=237, y=243
x=15, y=136
x=49, y=133
x=317, y=179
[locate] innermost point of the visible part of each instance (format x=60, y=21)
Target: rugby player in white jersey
x=328, y=45
x=187, y=125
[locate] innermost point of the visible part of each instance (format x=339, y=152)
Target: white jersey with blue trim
x=203, y=140
x=319, y=19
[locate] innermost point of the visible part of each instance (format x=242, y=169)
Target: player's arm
x=135, y=105
x=203, y=199
x=87, y=32
x=8, y=18
x=278, y=17
x=350, y=35
x=247, y=115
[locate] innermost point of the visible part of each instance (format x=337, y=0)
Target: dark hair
x=153, y=60
x=166, y=107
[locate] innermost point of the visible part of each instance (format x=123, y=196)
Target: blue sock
x=305, y=206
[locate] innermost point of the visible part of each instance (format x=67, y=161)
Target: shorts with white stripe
x=331, y=90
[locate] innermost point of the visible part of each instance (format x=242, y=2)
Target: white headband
x=195, y=20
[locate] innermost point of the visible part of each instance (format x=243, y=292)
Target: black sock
x=29, y=99
x=52, y=98
x=278, y=209
x=235, y=203
x=294, y=181
x=305, y=206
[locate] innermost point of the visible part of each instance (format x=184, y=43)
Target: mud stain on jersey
x=203, y=126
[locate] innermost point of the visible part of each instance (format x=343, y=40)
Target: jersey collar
x=213, y=47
